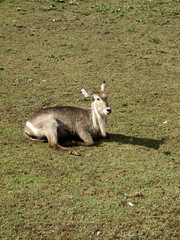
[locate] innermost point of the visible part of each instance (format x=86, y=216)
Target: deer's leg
x=53, y=141
x=64, y=149
x=35, y=138
x=30, y=135
x=87, y=140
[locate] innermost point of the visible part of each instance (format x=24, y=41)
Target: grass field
x=126, y=187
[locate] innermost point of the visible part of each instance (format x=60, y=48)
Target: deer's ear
x=86, y=94
x=103, y=86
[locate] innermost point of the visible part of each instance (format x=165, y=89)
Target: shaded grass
x=49, y=50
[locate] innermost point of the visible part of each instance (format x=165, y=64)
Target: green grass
x=49, y=51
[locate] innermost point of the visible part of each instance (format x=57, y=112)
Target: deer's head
x=99, y=100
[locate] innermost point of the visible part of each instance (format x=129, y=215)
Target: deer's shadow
x=146, y=142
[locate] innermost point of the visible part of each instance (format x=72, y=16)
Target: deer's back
x=71, y=118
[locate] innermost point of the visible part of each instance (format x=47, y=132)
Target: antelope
x=68, y=125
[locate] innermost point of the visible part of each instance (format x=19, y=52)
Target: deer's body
x=62, y=124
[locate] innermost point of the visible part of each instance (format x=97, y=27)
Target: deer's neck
x=99, y=121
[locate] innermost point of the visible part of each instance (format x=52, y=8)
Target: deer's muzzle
x=107, y=111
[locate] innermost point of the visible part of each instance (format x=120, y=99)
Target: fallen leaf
x=138, y=194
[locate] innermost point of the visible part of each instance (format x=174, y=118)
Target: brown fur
x=62, y=124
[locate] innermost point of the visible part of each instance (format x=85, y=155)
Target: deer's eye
x=98, y=99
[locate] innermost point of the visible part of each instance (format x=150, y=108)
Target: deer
x=65, y=126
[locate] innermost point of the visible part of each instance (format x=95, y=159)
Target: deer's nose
x=108, y=110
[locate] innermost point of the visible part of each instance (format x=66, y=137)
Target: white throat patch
x=96, y=112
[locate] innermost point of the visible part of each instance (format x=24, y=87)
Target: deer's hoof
x=74, y=152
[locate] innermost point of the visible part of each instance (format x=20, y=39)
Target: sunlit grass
x=124, y=187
